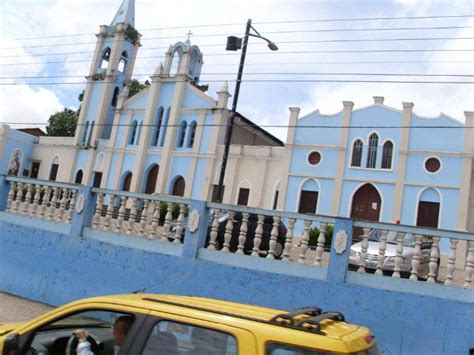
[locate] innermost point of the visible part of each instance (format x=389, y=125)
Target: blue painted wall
x=439, y=138
x=55, y=268
x=17, y=140
x=193, y=100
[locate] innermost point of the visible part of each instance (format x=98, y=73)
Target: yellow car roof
x=330, y=328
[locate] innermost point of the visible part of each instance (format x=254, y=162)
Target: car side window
x=285, y=349
x=273, y=348
x=173, y=338
x=96, y=331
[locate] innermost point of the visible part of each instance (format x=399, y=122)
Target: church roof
x=125, y=13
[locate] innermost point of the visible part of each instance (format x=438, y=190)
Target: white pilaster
x=285, y=170
x=341, y=156
x=402, y=161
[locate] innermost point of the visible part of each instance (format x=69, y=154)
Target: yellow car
x=150, y=324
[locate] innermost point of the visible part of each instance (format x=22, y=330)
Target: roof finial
x=189, y=34
x=125, y=13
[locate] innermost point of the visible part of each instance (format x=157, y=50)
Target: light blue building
x=382, y=164
x=376, y=163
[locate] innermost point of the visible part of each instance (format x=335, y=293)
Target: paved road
x=16, y=309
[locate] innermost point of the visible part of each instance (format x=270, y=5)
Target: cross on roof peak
x=189, y=34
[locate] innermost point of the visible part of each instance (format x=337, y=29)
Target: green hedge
x=175, y=213
x=314, y=234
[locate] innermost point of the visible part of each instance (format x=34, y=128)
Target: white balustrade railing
x=438, y=257
x=275, y=235
x=416, y=254
x=140, y=215
x=41, y=199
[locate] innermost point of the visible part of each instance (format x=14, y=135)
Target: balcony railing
x=417, y=254
x=41, y=199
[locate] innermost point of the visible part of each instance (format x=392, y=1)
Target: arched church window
x=165, y=127
x=139, y=133
x=105, y=58
x=90, y=133
x=133, y=133
x=175, y=62
x=387, y=153
x=84, y=135
x=178, y=186
x=372, y=152
x=127, y=181
x=159, y=120
x=122, y=62
x=78, y=178
x=192, y=134
x=182, y=133
x=115, y=97
x=53, y=171
x=357, y=153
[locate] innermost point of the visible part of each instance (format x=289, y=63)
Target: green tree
x=136, y=87
x=63, y=123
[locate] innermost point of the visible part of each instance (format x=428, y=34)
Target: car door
x=53, y=333
x=172, y=334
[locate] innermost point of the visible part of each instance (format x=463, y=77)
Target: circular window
x=432, y=165
x=314, y=158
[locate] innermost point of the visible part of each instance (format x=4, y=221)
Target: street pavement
x=17, y=309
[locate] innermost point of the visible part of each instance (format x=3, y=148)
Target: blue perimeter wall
x=56, y=268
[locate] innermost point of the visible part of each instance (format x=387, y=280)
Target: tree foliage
x=63, y=123
x=135, y=87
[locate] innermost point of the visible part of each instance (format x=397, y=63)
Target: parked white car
x=371, y=260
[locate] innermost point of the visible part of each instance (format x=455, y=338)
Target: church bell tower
x=111, y=69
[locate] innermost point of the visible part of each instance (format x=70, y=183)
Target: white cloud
x=25, y=105
x=21, y=102
x=264, y=103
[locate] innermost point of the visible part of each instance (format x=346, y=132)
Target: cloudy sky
x=47, y=46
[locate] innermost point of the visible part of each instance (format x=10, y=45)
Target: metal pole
x=230, y=122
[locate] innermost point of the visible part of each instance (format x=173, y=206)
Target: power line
x=221, y=45
x=278, y=53
x=261, y=126
x=334, y=30
x=274, y=81
x=266, y=23
x=265, y=73
x=307, y=63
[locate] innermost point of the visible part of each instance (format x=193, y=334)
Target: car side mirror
x=11, y=344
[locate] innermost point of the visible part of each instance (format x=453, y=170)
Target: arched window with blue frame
x=165, y=127
x=372, y=151
x=105, y=60
x=123, y=62
x=139, y=133
x=132, y=133
x=89, y=137
x=159, y=121
x=387, y=153
x=84, y=135
x=356, y=158
x=115, y=97
x=181, y=134
x=192, y=134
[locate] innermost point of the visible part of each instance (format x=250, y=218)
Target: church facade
x=377, y=163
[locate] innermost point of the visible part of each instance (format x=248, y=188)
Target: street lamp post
x=234, y=43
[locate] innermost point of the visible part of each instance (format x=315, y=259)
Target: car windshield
x=408, y=239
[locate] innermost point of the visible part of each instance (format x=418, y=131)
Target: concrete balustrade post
x=83, y=211
x=195, y=238
x=338, y=263
x=4, y=190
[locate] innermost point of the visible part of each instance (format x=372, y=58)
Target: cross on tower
x=189, y=34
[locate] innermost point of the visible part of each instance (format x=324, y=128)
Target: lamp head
x=272, y=46
x=233, y=43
